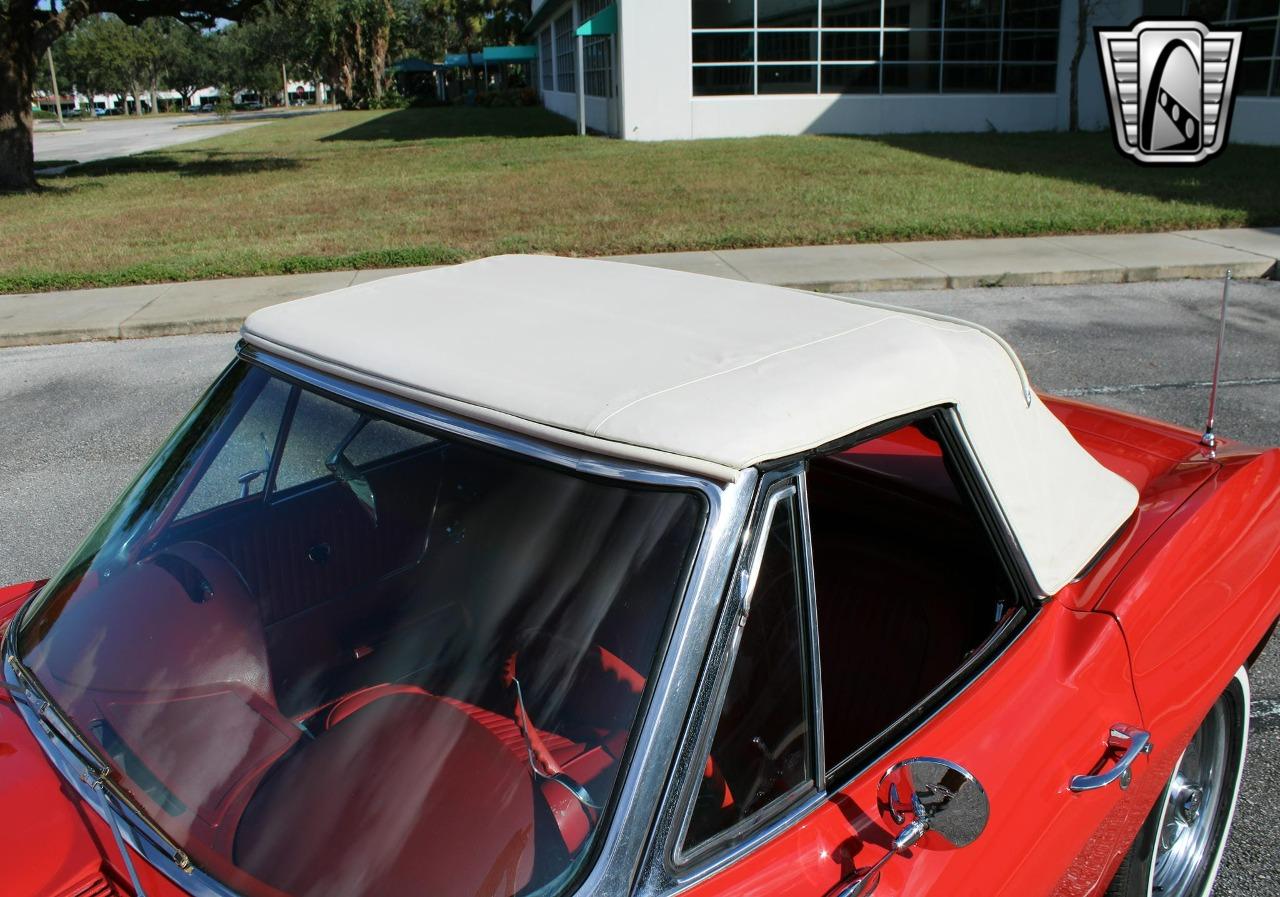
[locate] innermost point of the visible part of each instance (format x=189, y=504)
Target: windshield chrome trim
x=453, y=425
x=620, y=851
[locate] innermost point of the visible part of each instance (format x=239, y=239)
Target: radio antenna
x=1209, y=440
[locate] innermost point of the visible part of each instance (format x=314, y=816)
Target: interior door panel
x=312, y=553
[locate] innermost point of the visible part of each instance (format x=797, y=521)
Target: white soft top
x=702, y=375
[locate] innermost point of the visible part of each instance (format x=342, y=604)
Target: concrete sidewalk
x=221, y=305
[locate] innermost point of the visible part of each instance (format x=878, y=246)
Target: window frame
x=681, y=868
x=774, y=491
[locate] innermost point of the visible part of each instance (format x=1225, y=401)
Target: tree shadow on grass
x=451, y=122
x=1230, y=181
x=189, y=163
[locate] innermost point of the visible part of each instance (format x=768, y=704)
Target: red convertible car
x=537, y=576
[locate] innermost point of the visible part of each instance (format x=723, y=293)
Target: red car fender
x=11, y=598
x=1198, y=600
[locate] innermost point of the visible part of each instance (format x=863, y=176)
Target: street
x=82, y=418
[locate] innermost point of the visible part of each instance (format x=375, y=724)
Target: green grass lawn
x=371, y=189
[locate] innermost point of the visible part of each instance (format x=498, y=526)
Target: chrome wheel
x=1191, y=807
x=1177, y=851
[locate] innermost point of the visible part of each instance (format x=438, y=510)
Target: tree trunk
x=155, y=103
x=17, y=152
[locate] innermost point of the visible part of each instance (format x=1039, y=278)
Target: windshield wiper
x=96, y=773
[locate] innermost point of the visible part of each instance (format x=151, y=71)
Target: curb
x=1260, y=269
x=1263, y=269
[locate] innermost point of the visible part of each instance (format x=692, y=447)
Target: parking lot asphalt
x=105, y=138
x=80, y=419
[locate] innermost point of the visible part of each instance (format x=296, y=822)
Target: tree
x=190, y=59
x=256, y=53
x=99, y=56
x=350, y=44
x=27, y=29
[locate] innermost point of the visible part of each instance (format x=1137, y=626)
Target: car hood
x=56, y=850
x=62, y=848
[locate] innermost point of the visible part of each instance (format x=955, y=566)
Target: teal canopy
x=519, y=53
x=457, y=60
x=414, y=64
x=603, y=22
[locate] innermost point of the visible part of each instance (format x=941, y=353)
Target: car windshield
x=331, y=653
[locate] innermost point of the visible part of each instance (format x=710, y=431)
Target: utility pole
x=53, y=76
x=284, y=80
x=579, y=76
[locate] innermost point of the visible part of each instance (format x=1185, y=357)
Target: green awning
x=603, y=22
x=519, y=53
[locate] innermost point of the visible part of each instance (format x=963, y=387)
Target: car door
x=917, y=639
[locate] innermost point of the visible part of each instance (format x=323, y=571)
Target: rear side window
x=908, y=582
x=760, y=750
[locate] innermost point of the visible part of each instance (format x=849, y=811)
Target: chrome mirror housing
x=941, y=805
x=946, y=798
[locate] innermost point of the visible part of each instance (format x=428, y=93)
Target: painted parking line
x=1082, y=391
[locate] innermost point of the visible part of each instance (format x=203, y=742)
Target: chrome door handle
x=1134, y=742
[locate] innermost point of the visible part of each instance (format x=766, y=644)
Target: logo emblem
x=1170, y=84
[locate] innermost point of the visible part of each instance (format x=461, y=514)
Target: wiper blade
x=96, y=773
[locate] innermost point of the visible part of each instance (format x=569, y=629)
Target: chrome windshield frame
x=620, y=848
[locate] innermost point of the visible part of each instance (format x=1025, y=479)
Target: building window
x=564, y=53
x=546, y=62
x=877, y=46
x=1260, y=49
x=597, y=54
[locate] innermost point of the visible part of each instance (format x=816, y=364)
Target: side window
x=761, y=749
x=321, y=426
x=908, y=583
x=381, y=439
x=240, y=468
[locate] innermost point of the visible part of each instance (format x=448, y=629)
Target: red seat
x=409, y=795
x=580, y=762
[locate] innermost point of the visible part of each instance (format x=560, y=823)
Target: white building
x=735, y=68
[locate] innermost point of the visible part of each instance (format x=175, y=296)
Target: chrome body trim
x=735, y=615
x=662, y=872
x=814, y=648
x=638, y=796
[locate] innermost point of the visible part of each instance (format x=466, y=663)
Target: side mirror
x=942, y=806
